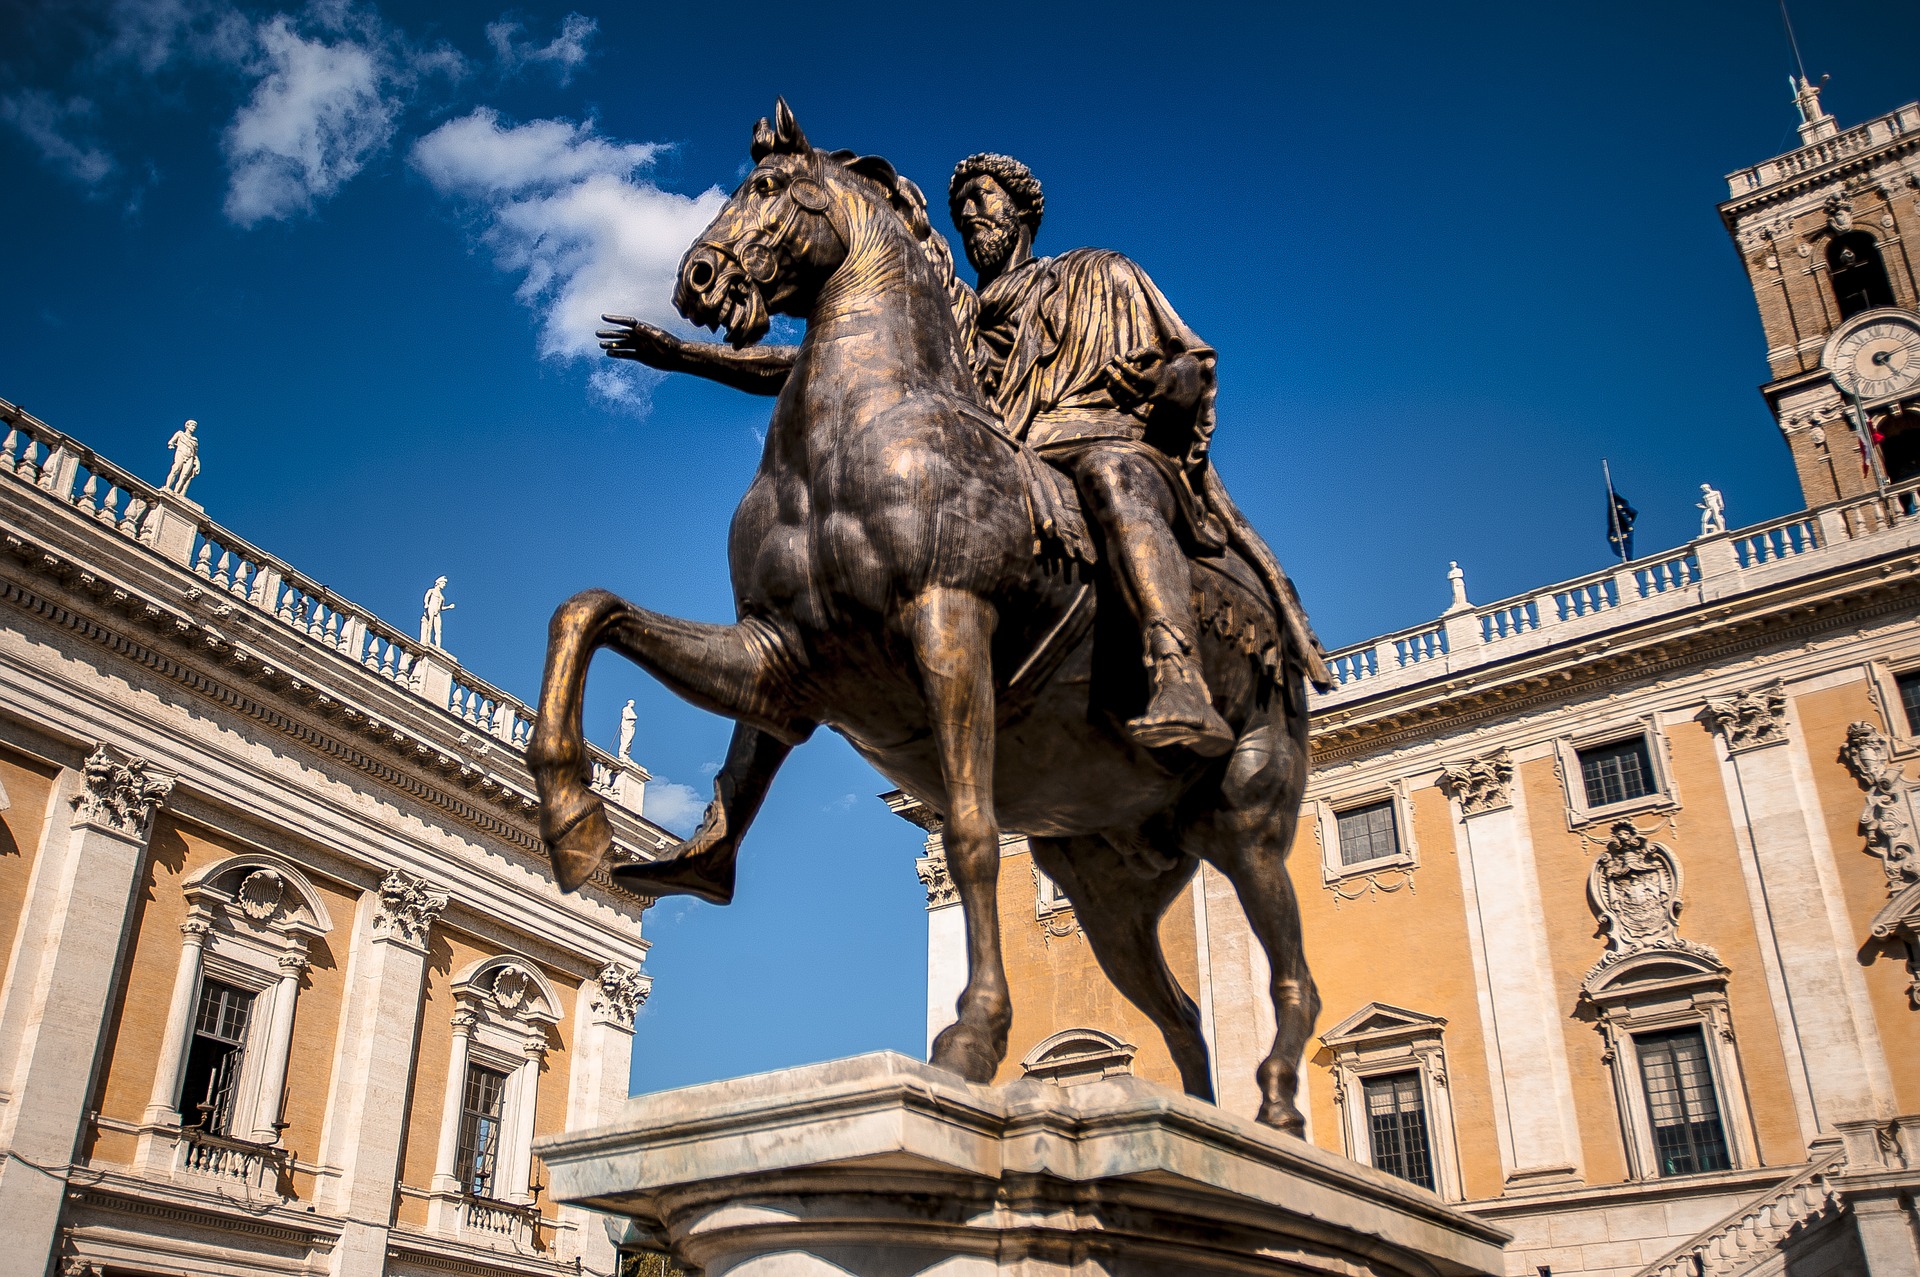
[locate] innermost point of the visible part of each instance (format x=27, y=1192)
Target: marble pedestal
x=881, y=1166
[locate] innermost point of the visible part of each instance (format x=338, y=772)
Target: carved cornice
x=120, y=793
x=1480, y=785
x=172, y=626
x=1749, y=720
x=1868, y=754
x=407, y=909
x=621, y=993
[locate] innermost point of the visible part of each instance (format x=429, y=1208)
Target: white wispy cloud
x=329, y=89
x=565, y=53
x=561, y=205
x=58, y=130
x=674, y=806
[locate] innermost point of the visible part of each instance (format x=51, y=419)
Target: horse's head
x=787, y=229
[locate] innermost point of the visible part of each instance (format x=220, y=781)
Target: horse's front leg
x=741, y=671
x=952, y=633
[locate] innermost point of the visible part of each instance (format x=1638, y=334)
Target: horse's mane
x=907, y=200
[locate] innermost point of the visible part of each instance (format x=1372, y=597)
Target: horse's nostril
x=700, y=275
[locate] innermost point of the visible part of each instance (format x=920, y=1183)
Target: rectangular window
x=1688, y=1137
x=1367, y=833
x=1617, y=773
x=213, y=1057
x=1909, y=685
x=1397, y=1127
x=482, y=1100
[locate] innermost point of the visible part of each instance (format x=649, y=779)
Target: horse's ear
x=786, y=130
x=763, y=140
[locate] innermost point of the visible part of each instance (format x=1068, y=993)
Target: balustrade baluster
x=89, y=495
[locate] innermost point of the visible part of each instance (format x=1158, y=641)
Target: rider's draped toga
x=1045, y=332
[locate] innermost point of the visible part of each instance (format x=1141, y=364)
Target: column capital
x=622, y=992
x=1480, y=785
x=407, y=909
x=292, y=965
x=1749, y=720
x=463, y=1022
x=195, y=931
x=120, y=793
x=938, y=882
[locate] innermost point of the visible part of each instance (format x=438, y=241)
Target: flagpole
x=1613, y=513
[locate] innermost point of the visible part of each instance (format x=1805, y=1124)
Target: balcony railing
x=259, y=1168
x=1712, y=567
x=488, y=1221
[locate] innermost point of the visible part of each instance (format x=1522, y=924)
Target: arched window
x=1900, y=444
x=1859, y=276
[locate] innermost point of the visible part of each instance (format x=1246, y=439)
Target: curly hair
x=1014, y=177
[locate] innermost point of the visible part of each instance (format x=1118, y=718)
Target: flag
x=1620, y=517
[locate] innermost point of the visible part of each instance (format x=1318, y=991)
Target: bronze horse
x=894, y=582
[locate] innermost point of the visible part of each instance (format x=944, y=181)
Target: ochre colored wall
x=550, y=1107
x=1056, y=983
x=29, y=784
x=1406, y=947
x=1823, y=718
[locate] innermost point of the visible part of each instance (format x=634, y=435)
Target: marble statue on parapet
x=185, y=445
x=431, y=607
x=1713, y=510
x=1457, y=582
x=627, y=718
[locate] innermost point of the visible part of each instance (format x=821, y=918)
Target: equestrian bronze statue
x=985, y=545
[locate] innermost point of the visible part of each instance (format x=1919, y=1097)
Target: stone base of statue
x=881, y=1166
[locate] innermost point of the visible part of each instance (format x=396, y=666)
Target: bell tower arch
x=1829, y=234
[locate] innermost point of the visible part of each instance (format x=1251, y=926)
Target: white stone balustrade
x=1864, y=137
x=1713, y=567
x=35, y=454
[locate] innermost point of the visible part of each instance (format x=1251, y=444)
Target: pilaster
x=1538, y=1128
x=372, y=1075
x=62, y=988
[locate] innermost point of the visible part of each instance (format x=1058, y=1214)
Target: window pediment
x=1379, y=1022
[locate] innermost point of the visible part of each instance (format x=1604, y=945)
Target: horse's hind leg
x=1247, y=834
x=1120, y=914
x=736, y=670
x=703, y=864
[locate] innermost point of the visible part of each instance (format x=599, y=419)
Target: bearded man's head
x=990, y=197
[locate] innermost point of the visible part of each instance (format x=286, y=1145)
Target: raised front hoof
x=706, y=876
x=1282, y=1116
x=581, y=848
x=967, y=1052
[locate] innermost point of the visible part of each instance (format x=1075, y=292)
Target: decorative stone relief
x=408, y=908
x=261, y=894
x=623, y=991
x=1635, y=888
x=1480, y=785
x=121, y=793
x=938, y=882
x=1749, y=720
x=1899, y=923
x=1869, y=756
x=510, y=989
x=1840, y=212
x=293, y=964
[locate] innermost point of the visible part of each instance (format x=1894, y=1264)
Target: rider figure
x=1086, y=361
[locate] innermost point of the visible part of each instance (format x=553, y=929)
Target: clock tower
x=1830, y=237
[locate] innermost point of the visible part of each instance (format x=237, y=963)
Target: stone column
x=372, y=1074
x=163, y=1102
x=279, y=1044
x=445, y=1180
x=1538, y=1130
x=946, y=941
x=61, y=991
x=1826, y=1024
x=600, y=1081
x=517, y=1174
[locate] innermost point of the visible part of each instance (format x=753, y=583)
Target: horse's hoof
x=1282, y=1116
x=705, y=875
x=581, y=849
x=960, y=1050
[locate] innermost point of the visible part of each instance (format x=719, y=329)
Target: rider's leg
x=703, y=865
x=1128, y=497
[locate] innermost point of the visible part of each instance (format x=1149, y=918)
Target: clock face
x=1878, y=358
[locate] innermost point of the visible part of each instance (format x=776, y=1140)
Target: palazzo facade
x=287, y=984
x=1611, y=889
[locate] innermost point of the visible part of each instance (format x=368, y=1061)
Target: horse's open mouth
x=715, y=292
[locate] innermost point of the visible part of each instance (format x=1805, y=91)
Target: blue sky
x=1451, y=256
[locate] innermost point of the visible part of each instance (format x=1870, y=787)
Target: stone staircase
x=1753, y=1233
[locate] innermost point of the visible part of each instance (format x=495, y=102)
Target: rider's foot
x=702, y=866
x=1181, y=712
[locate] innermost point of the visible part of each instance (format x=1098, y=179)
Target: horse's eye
x=765, y=185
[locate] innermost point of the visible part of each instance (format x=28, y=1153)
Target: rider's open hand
x=630, y=338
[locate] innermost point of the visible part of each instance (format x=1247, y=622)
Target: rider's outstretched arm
x=758, y=370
